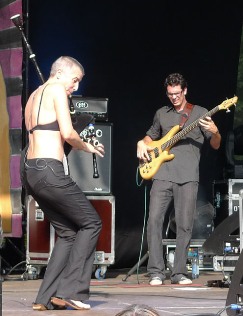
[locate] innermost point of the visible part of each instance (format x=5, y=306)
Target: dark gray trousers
x=77, y=226
x=161, y=195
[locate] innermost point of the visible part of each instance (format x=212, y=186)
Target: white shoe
x=181, y=279
x=185, y=281
x=61, y=302
x=80, y=304
x=155, y=281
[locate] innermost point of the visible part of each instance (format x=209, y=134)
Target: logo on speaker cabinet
x=98, y=189
x=82, y=105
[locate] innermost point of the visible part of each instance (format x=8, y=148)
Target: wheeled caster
x=100, y=273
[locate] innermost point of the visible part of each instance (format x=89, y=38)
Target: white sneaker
x=65, y=303
x=155, y=281
x=184, y=281
x=80, y=304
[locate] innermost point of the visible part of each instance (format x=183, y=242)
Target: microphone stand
x=17, y=21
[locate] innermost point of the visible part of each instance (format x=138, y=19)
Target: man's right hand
x=143, y=150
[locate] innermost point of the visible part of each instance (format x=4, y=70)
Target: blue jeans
x=77, y=226
x=162, y=194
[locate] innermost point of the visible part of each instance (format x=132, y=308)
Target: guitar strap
x=186, y=113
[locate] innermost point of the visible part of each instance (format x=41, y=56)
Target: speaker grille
x=81, y=166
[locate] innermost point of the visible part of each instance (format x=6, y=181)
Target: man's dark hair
x=175, y=79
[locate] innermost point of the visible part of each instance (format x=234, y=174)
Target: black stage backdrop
x=127, y=49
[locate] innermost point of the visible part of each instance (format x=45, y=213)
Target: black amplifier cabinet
x=226, y=197
x=98, y=107
x=94, y=178
x=225, y=238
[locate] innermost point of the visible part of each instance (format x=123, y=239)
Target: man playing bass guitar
x=177, y=178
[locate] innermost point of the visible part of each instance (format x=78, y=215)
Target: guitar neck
x=187, y=129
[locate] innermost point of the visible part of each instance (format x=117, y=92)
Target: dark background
x=127, y=49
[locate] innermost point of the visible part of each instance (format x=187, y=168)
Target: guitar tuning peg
x=228, y=111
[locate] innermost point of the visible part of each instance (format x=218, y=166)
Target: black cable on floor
x=13, y=268
x=144, y=221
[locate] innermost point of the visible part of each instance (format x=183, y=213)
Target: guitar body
x=157, y=155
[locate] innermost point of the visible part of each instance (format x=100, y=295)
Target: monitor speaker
x=235, y=293
x=91, y=172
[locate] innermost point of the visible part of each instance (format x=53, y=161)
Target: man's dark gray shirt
x=185, y=165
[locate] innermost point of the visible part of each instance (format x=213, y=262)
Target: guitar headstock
x=228, y=103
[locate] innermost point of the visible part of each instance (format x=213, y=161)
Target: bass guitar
x=160, y=152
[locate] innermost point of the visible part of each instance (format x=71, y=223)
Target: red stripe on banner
x=15, y=172
x=7, y=12
x=15, y=111
x=11, y=62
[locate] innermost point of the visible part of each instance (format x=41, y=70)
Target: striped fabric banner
x=11, y=85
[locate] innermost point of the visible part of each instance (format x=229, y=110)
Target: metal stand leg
x=134, y=268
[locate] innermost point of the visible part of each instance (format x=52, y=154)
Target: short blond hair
x=65, y=62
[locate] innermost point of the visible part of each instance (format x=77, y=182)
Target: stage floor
x=116, y=291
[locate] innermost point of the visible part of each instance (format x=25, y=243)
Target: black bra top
x=53, y=126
